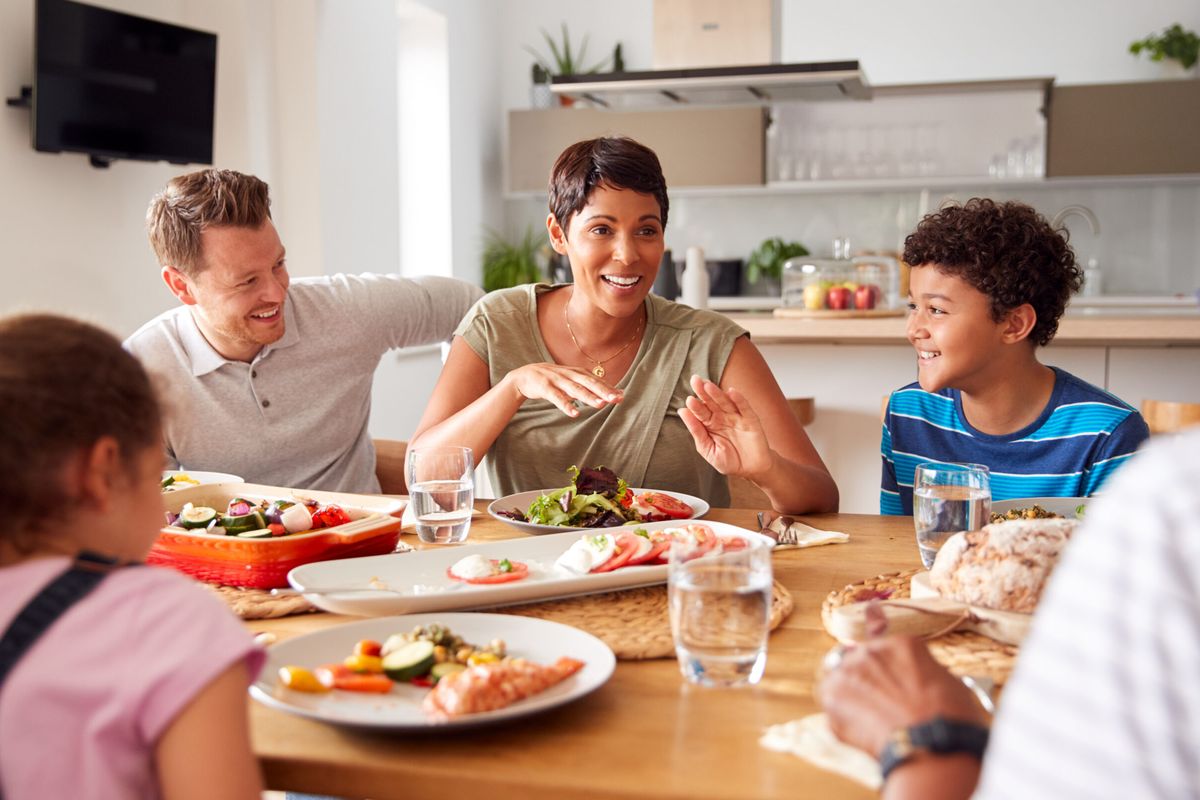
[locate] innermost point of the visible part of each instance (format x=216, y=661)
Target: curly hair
x=1008, y=251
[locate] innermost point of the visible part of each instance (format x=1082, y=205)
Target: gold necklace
x=598, y=370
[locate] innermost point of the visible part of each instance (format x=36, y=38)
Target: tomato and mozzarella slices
x=603, y=552
x=477, y=569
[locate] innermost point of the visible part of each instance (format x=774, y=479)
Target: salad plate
x=521, y=501
x=1070, y=507
x=185, y=478
x=417, y=582
x=537, y=640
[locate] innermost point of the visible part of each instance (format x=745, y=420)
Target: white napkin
x=789, y=532
x=811, y=739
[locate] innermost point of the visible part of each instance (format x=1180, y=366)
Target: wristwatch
x=938, y=735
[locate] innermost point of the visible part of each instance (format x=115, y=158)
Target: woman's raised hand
x=726, y=430
x=562, y=386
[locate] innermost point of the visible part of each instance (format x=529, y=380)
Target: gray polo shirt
x=297, y=414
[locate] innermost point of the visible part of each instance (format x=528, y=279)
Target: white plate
x=418, y=581
x=538, y=640
x=521, y=501
x=1063, y=506
x=200, y=476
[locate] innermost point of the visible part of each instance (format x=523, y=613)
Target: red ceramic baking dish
x=374, y=529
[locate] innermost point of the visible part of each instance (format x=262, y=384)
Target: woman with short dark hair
x=601, y=372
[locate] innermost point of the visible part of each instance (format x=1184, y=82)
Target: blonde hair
x=195, y=201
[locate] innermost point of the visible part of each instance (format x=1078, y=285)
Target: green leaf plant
x=767, y=260
x=1174, y=43
x=512, y=263
x=564, y=59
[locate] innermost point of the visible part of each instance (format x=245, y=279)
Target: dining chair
x=389, y=465
x=1169, y=416
x=743, y=493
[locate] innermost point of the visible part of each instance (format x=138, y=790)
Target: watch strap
x=938, y=735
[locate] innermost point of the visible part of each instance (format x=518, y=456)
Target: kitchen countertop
x=1092, y=326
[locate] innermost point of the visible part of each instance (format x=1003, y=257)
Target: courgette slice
x=196, y=516
x=410, y=661
x=238, y=525
x=439, y=671
x=262, y=533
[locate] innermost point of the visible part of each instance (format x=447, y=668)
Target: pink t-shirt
x=81, y=711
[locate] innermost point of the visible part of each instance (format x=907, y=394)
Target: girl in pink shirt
x=138, y=689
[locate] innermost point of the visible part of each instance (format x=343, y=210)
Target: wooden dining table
x=646, y=733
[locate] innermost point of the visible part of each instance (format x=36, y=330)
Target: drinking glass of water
x=948, y=498
x=441, y=485
x=720, y=613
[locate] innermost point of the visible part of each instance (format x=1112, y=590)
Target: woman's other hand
x=727, y=432
x=562, y=386
x=891, y=683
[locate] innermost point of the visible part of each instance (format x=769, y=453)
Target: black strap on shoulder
x=49, y=604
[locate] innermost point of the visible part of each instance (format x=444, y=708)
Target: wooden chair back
x=743, y=493
x=1167, y=416
x=389, y=465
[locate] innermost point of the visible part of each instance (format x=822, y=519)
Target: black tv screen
x=114, y=85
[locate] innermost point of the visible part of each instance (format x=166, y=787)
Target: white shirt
x=297, y=414
x=1105, y=699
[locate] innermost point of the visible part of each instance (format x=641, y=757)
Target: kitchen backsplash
x=1149, y=240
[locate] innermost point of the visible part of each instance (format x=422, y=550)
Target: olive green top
x=641, y=438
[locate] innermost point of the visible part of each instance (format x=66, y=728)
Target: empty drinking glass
x=441, y=484
x=948, y=498
x=720, y=612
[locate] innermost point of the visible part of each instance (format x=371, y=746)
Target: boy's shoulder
x=1076, y=390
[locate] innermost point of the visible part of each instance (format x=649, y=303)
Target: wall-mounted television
x=114, y=85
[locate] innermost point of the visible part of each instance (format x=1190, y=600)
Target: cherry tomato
x=626, y=546
x=368, y=647
x=666, y=504
x=517, y=571
x=301, y=680
x=731, y=544
x=276, y=529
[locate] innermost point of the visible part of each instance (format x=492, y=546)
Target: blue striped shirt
x=1082, y=436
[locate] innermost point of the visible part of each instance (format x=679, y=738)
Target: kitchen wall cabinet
x=1144, y=128
x=718, y=146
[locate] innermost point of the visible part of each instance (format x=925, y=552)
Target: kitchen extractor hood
x=759, y=83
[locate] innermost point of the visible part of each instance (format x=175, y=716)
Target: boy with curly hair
x=988, y=285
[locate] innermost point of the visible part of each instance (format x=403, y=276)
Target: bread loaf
x=1003, y=566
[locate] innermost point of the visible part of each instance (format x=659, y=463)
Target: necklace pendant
x=598, y=371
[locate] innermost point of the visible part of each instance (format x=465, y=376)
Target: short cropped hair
x=64, y=384
x=195, y=201
x=1008, y=251
x=614, y=161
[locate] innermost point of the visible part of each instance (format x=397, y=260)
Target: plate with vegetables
x=510, y=571
x=175, y=479
x=243, y=534
x=418, y=672
x=596, y=498
x=1039, y=508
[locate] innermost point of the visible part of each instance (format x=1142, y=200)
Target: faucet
x=1082, y=211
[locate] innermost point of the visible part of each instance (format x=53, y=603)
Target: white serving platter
x=417, y=582
x=537, y=640
x=521, y=501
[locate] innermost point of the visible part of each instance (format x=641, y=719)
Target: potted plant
x=1173, y=44
x=764, y=268
x=564, y=59
x=508, y=263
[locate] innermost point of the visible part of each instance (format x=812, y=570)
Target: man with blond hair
x=263, y=376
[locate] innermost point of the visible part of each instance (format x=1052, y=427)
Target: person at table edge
x=989, y=283
x=263, y=376
x=601, y=372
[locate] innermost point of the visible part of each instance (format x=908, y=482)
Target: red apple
x=866, y=296
x=838, y=298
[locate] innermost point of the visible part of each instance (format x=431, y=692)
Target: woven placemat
x=962, y=652
x=633, y=622
x=261, y=604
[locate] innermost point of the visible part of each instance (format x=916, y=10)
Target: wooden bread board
x=925, y=613
x=795, y=312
